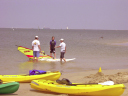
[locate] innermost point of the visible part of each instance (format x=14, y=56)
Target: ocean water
x=92, y=49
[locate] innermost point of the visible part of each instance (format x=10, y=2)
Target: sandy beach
x=90, y=76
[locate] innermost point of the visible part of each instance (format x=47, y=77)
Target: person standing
x=52, y=47
x=63, y=49
x=36, y=48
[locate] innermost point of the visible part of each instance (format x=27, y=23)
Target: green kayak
x=9, y=87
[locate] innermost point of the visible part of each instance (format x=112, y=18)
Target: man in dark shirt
x=52, y=47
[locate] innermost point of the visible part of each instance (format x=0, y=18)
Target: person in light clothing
x=63, y=49
x=36, y=48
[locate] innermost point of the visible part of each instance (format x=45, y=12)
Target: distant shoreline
x=64, y=29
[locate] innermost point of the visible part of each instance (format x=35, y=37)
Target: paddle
x=67, y=82
x=42, y=53
x=82, y=84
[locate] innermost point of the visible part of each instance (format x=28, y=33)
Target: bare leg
x=60, y=59
x=33, y=59
x=64, y=59
x=37, y=59
x=50, y=54
x=54, y=55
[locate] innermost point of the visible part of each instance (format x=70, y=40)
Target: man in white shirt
x=63, y=49
x=36, y=48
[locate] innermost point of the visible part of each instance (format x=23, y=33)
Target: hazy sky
x=57, y=14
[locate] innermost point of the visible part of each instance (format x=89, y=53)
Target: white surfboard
x=56, y=60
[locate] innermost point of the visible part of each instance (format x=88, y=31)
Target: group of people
x=37, y=49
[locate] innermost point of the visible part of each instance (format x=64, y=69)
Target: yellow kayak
x=28, y=78
x=78, y=89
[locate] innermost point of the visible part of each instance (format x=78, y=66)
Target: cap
x=36, y=37
x=61, y=39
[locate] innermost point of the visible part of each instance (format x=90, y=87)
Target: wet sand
x=90, y=76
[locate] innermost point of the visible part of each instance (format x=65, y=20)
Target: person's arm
x=55, y=43
x=58, y=46
x=65, y=49
x=39, y=47
x=32, y=47
x=50, y=45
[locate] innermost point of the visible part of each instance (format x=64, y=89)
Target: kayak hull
x=87, y=90
x=8, y=88
x=28, y=78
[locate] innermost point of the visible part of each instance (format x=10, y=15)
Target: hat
x=61, y=39
x=36, y=37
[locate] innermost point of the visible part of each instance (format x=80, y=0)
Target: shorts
x=52, y=51
x=36, y=53
x=62, y=54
